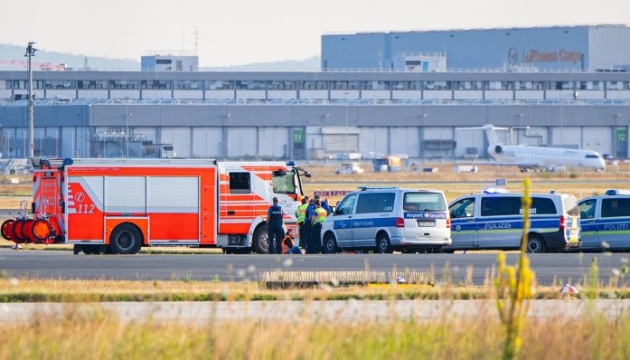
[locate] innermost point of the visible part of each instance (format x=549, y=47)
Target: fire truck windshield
x=284, y=182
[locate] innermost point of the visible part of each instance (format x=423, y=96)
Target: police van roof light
x=495, y=190
x=617, y=192
x=290, y=163
x=363, y=188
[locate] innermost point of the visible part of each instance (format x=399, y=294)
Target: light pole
x=346, y=141
x=30, y=52
x=127, y=116
x=562, y=124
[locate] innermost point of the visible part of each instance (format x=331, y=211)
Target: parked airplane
x=534, y=157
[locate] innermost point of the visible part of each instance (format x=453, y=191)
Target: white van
x=388, y=219
x=605, y=221
x=495, y=221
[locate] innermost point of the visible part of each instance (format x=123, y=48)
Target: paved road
x=474, y=265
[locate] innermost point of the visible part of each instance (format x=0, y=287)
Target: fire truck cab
x=119, y=205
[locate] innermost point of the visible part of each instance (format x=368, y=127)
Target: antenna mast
x=30, y=52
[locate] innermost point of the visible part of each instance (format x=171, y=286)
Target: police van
x=605, y=221
x=495, y=221
x=388, y=219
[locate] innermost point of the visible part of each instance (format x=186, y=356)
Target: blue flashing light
x=67, y=161
x=291, y=163
x=617, y=192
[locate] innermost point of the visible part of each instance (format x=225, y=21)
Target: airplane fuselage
x=543, y=157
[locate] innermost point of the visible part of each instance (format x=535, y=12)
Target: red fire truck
x=119, y=205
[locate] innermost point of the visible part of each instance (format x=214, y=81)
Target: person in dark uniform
x=275, y=232
x=307, y=222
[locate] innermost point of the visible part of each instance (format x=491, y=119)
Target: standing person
x=288, y=243
x=307, y=223
x=326, y=207
x=315, y=239
x=300, y=214
x=275, y=232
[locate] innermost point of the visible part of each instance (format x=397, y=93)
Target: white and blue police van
x=494, y=220
x=605, y=221
x=388, y=219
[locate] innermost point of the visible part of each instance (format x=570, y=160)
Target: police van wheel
x=383, y=245
x=330, y=244
x=535, y=244
x=125, y=239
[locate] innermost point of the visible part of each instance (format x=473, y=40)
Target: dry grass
x=98, y=334
x=582, y=182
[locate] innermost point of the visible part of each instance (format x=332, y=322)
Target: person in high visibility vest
x=288, y=243
x=315, y=238
x=275, y=231
x=300, y=214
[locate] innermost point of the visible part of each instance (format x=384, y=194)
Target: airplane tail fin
x=489, y=129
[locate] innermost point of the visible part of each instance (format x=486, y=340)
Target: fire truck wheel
x=125, y=239
x=6, y=229
x=260, y=242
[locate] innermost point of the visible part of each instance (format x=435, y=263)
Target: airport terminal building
x=376, y=94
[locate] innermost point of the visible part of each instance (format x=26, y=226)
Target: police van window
x=423, y=201
x=283, y=182
x=240, y=183
x=590, y=156
x=587, y=209
x=571, y=206
x=463, y=208
x=346, y=205
x=543, y=206
x=500, y=206
x=376, y=202
x=615, y=207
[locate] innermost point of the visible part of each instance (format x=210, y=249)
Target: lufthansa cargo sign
x=543, y=56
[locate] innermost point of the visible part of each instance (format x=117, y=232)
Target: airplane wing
x=524, y=166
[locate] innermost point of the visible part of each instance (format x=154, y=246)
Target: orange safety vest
x=285, y=247
x=300, y=213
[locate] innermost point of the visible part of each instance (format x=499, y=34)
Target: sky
x=238, y=32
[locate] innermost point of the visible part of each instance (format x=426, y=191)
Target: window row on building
x=313, y=85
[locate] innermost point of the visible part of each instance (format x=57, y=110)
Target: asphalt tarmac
x=473, y=268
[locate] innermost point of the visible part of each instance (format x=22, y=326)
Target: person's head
x=275, y=200
x=311, y=201
x=318, y=203
x=304, y=200
x=291, y=232
x=316, y=197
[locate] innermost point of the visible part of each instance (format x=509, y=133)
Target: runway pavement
x=475, y=267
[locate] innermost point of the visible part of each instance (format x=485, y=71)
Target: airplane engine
x=498, y=149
